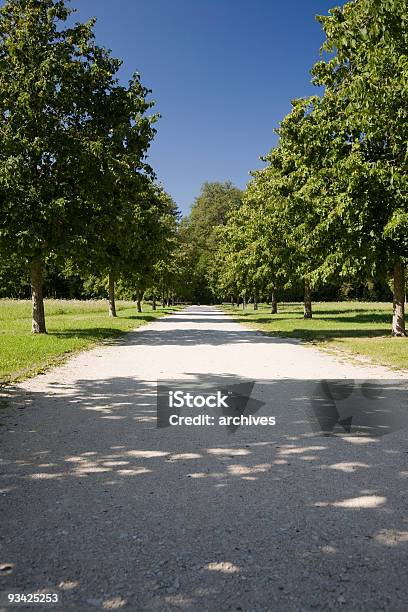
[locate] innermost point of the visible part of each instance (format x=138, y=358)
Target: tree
x=55, y=94
x=209, y=211
x=14, y=280
x=282, y=229
x=266, y=235
x=244, y=263
x=168, y=267
x=298, y=190
x=149, y=236
x=125, y=184
x=334, y=193
x=367, y=76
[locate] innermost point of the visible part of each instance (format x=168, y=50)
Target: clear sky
x=222, y=72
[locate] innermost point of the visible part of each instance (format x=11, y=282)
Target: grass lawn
x=360, y=328
x=71, y=324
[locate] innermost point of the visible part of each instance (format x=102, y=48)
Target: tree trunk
x=398, y=319
x=308, y=302
x=138, y=301
x=163, y=301
x=111, y=290
x=255, y=299
x=154, y=303
x=274, y=303
x=38, y=316
x=243, y=303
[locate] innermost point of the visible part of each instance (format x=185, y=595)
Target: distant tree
x=148, y=236
x=14, y=278
x=167, y=270
x=209, y=211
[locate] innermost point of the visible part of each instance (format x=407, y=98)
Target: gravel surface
x=113, y=513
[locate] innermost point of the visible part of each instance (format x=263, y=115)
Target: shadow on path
x=114, y=513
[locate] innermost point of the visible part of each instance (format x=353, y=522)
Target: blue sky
x=222, y=72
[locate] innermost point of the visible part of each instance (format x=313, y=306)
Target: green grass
x=354, y=328
x=72, y=325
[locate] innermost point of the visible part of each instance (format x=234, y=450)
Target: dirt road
x=111, y=512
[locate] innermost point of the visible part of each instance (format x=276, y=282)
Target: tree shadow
x=141, y=317
x=271, y=319
x=91, y=333
x=110, y=511
x=359, y=318
x=99, y=333
x=311, y=333
x=196, y=337
x=304, y=333
x=332, y=334
x=356, y=310
x=194, y=319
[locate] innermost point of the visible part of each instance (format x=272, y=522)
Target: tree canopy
x=332, y=200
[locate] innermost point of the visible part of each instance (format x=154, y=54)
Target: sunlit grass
x=361, y=328
x=71, y=325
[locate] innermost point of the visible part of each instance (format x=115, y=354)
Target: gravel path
x=113, y=513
